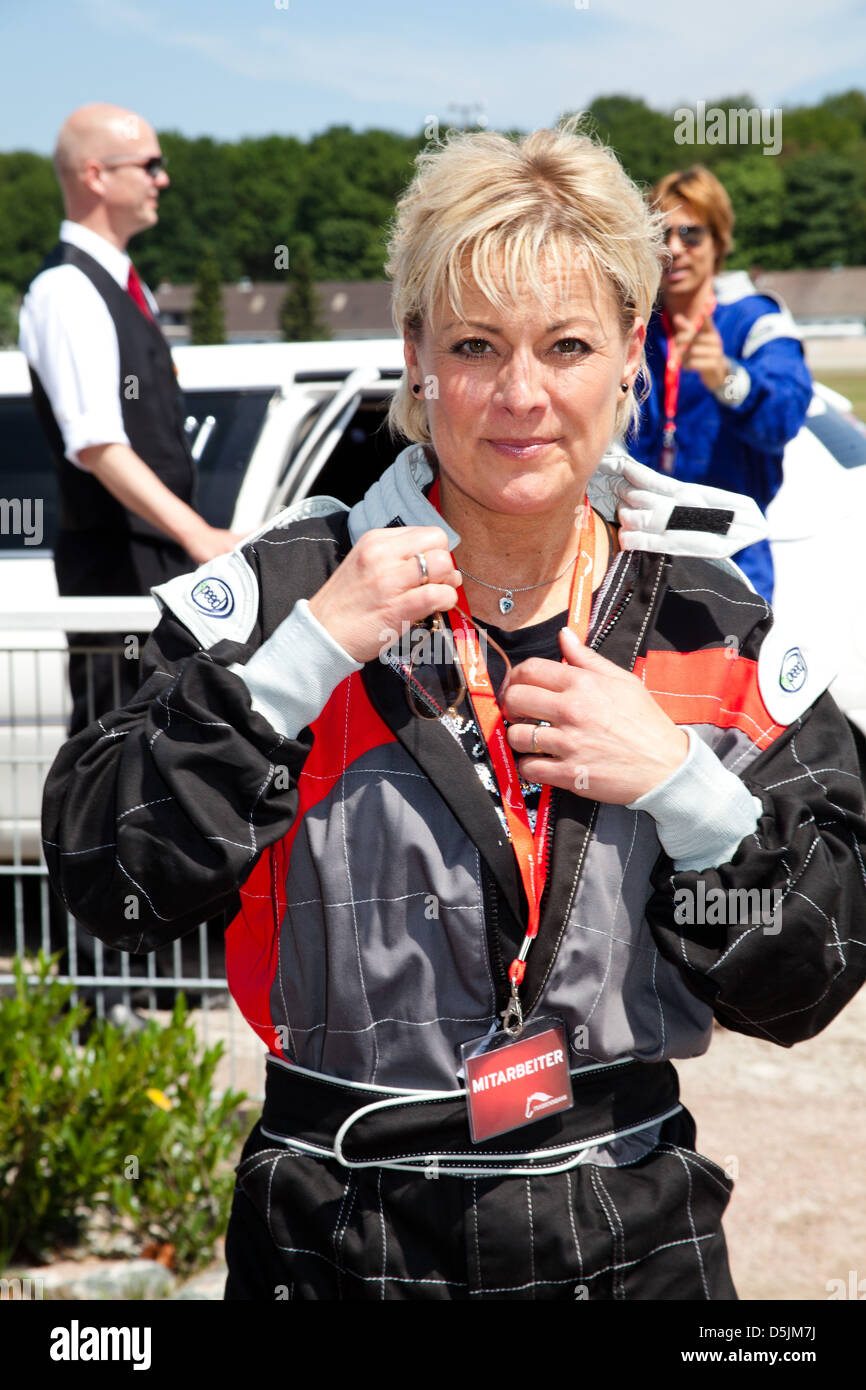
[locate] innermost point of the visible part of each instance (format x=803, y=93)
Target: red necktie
x=134, y=290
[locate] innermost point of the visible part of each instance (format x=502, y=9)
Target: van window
x=361, y=456
x=26, y=476
x=230, y=421
x=238, y=418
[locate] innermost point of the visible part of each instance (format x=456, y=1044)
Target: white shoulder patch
x=766, y=329
x=220, y=600
x=792, y=672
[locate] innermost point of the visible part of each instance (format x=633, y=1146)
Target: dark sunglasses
x=689, y=236
x=152, y=167
x=448, y=653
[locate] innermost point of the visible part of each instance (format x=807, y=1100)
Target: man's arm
x=79, y=368
x=128, y=478
x=773, y=371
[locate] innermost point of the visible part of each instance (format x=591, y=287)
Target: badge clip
x=512, y=1015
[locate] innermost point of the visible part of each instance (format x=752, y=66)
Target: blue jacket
x=735, y=447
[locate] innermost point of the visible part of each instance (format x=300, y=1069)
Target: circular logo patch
x=792, y=673
x=212, y=596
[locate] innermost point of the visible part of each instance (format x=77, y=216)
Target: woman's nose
x=520, y=385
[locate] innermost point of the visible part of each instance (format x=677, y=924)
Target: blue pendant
x=506, y=603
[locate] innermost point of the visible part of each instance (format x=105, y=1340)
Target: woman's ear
x=636, y=340
x=410, y=352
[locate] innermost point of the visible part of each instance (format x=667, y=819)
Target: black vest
x=152, y=407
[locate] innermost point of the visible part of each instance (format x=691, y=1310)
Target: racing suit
x=739, y=447
x=375, y=901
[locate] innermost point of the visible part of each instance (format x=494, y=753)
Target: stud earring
x=623, y=386
x=416, y=388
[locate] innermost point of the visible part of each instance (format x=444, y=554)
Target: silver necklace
x=506, y=603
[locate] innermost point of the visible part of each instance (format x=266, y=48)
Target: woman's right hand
x=378, y=588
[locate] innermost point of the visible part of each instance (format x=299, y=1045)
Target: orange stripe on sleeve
x=710, y=687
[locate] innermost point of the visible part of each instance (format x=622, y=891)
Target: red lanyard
x=530, y=850
x=673, y=368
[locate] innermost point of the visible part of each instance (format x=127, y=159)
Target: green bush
x=127, y=1122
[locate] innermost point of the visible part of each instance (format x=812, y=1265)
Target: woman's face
x=521, y=403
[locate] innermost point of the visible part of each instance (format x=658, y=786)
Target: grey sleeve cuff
x=294, y=673
x=702, y=811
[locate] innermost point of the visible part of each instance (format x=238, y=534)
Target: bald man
x=107, y=398
x=106, y=393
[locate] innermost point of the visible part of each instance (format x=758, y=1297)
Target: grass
x=850, y=384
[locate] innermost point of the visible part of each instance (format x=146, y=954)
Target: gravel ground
x=793, y=1121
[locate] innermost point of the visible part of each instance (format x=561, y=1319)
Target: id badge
x=511, y=1082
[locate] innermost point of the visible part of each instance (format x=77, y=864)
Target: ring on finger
x=542, y=724
x=422, y=566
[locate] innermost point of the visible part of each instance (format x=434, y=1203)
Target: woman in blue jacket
x=729, y=383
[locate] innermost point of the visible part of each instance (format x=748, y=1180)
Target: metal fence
x=35, y=706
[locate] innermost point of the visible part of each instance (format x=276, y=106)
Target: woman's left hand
x=607, y=740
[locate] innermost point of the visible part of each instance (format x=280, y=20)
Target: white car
x=272, y=423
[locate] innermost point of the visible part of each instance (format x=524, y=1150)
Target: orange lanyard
x=530, y=850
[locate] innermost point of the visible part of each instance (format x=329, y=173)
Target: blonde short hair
x=498, y=210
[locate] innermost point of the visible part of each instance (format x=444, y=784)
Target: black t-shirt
x=538, y=639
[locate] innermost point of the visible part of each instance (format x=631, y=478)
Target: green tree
x=756, y=187
x=206, y=322
x=820, y=190
x=198, y=207
x=300, y=309
x=30, y=211
x=642, y=138
x=8, y=316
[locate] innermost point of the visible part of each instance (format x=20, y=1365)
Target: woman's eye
x=571, y=347
x=472, y=347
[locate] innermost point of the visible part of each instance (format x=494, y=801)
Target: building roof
x=814, y=294
x=350, y=308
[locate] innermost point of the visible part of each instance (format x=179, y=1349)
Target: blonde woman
x=467, y=873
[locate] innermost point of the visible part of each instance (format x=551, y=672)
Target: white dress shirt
x=68, y=336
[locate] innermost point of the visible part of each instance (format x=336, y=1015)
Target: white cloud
x=659, y=50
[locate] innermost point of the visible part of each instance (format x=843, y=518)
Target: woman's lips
x=520, y=448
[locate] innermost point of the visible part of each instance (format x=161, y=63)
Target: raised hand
x=379, y=586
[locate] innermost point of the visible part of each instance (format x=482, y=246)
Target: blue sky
x=228, y=68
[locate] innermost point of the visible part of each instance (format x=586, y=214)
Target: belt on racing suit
x=367, y=1126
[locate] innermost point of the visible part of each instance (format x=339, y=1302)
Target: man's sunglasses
x=153, y=166
x=689, y=236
